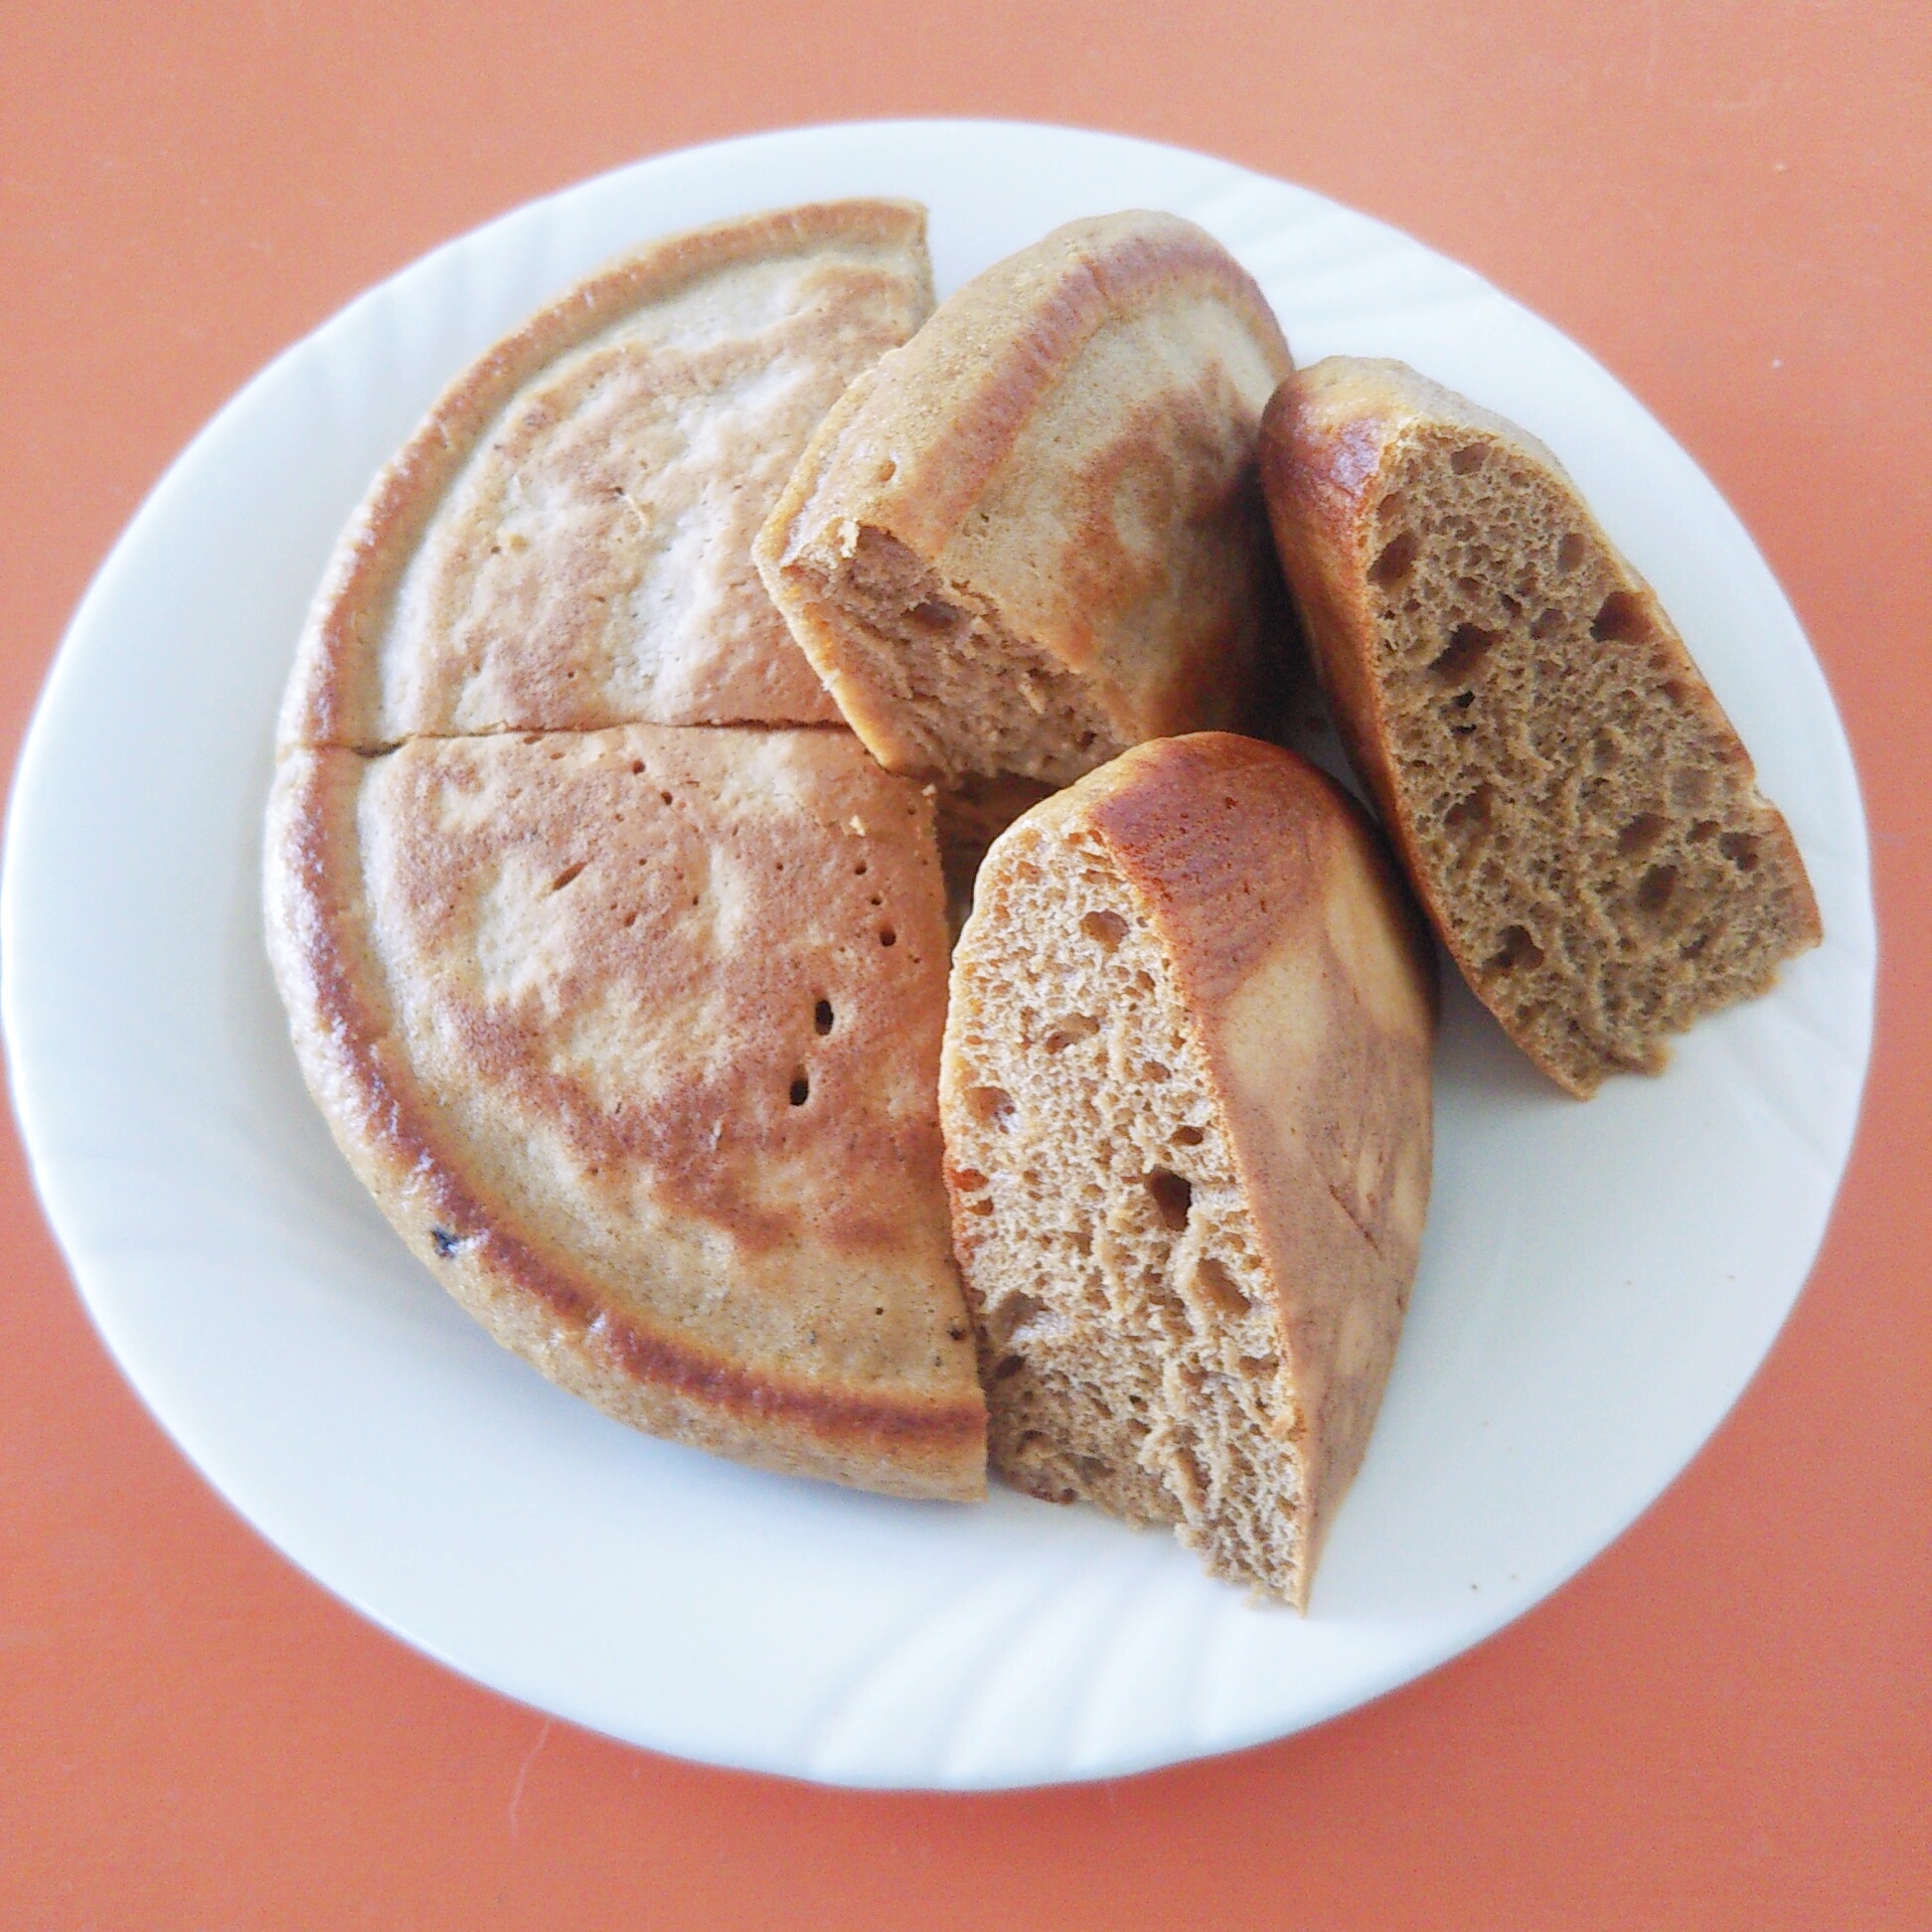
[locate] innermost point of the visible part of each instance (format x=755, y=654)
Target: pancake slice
x=1185, y=1094
x=1034, y=536
x=634, y=1034
x=1577, y=815
x=565, y=544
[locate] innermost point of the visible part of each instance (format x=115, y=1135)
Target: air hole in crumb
x=1654, y=891
x=1076, y=1026
x=1546, y=626
x=888, y=470
x=1468, y=459
x=1188, y=1136
x=1569, y=553
x=1604, y=750
x=969, y=1180
x=1470, y=814
x=664, y=798
x=1642, y=833
x=1691, y=948
x=1171, y=1194
x=1516, y=949
x=1621, y=619
x=1216, y=1286
x=1106, y=929
x=822, y=1018
x=637, y=767
x=1260, y=1368
x=801, y=1088
x=1469, y=644
x=1700, y=832
x=933, y=615
x=569, y=872
x=1741, y=849
x=1009, y=1367
x=1396, y=560
x=1011, y=1315
x=990, y=1106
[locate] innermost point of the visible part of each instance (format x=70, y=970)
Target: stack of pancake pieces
x=741, y=627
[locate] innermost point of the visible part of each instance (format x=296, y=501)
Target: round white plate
x=1598, y=1283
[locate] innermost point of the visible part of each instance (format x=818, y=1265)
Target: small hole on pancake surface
x=801, y=1088
x=822, y=1018
x=637, y=767
x=569, y=872
x=887, y=937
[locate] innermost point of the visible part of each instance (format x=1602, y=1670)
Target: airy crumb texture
x=634, y=1036
x=1574, y=808
x=1035, y=536
x=1187, y=1107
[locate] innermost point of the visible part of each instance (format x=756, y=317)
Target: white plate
x=1599, y=1282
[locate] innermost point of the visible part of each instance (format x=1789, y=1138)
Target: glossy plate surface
x=1598, y=1284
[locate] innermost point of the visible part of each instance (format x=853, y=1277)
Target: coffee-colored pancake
x=634, y=1034
x=1034, y=536
x=565, y=544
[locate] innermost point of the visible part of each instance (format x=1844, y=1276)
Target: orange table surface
x=1724, y=1720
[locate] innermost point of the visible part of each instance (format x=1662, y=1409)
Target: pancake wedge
x=565, y=544
x=1186, y=1096
x=1577, y=815
x=634, y=1036
x=1034, y=536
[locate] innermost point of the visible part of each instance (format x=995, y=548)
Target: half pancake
x=634, y=1036
x=1034, y=536
x=565, y=544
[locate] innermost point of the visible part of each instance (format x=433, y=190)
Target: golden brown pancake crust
x=565, y=543
x=611, y=1026
x=628, y=1019
x=1033, y=535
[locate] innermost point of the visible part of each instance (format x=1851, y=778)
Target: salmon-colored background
x=1723, y=1721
